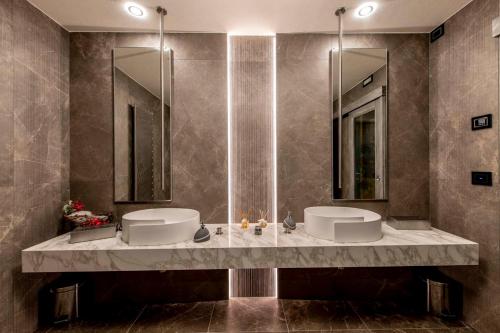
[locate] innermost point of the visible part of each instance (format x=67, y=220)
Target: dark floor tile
x=390, y=315
x=248, y=315
x=175, y=317
x=304, y=315
x=335, y=331
x=426, y=330
x=112, y=319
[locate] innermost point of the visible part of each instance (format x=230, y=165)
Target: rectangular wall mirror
x=360, y=165
x=141, y=172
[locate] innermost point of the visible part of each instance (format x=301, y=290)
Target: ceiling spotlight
x=135, y=9
x=366, y=9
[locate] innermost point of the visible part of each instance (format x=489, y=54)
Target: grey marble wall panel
x=463, y=84
x=34, y=150
x=304, y=130
x=199, y=124
x=198, y=131
x=304, y=141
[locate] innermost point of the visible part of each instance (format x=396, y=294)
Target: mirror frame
x=171, y=98
x=333, y=111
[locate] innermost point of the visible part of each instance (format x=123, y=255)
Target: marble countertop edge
x=238, y=248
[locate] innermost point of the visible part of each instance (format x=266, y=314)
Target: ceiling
x=250, y=16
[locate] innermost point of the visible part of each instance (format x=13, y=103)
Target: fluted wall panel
x=251, y=89
x=34, y=151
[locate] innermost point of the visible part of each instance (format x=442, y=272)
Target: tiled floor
x=265, y=315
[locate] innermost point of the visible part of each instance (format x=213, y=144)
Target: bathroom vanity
x=238, y=248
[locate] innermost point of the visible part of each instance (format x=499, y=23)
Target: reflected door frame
x=378, y=106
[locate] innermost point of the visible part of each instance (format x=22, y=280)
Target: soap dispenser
x=202, y=235
x=288, y=222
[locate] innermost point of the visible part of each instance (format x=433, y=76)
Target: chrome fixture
x=163, y=12
x=339, y=12
x=142, y=131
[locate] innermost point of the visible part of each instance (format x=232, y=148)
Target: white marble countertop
x=242, y=249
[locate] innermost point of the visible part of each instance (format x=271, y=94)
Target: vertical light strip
x=229, y=154
x=275, y=164
x=231, y=174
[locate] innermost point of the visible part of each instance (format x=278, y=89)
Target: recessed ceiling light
x=366, y=9
x=135, y=9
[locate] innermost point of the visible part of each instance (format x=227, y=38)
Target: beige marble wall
x=199, y=134
x=463, y=84
x=34, y=150
x=304, y=147
x=304, y=130
x=199, y=124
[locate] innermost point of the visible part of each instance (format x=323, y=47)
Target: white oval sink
x=343, y=224
x=159, y=226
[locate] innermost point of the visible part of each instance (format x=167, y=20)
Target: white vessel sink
x=159, y=226
x=343, y=224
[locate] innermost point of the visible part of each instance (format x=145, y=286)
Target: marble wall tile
x=304, y=158
x=34, y=124
x=198, y=121
x=199, y=128
x=463, y=84
x=6, y=154
x=304, y=139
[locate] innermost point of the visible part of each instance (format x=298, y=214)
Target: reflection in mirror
x=137, y=124
x=364, y=125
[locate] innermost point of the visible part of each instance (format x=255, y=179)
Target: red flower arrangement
x=75, y=214
x=73, y=206
x=78, y=205
x=93, y=222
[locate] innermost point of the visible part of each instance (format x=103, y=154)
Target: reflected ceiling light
x=135, y=9
x=366, y=9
